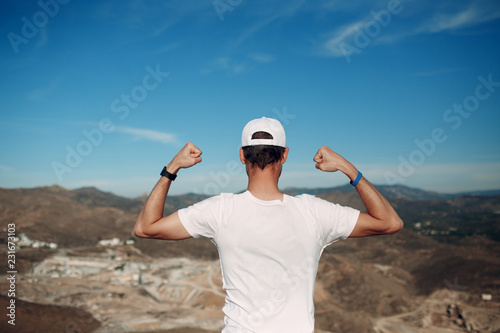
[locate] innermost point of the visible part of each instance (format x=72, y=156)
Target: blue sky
x=104, y=93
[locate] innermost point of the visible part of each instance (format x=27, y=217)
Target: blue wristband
x=358, y=178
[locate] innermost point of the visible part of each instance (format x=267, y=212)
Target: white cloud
x=474, y=14
x=147, y=134
x=449, y=19
x=446, y=18
x=226, y=64
x=344, y=34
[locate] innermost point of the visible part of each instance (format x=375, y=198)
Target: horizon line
x=288, y=188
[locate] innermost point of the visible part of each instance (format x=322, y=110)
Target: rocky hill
x=430, y=277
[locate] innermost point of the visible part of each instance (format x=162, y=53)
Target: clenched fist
x=329, y=161
x=188, y=156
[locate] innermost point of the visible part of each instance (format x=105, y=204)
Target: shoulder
x=209, y=203
x=307, y=199
x=211, y=208
x=315, y=204
x=217, y=202
x=218, y=197
x=307, y=202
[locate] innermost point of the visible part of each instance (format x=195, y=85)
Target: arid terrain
x=80, y=269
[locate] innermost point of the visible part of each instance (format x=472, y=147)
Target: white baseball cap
x=269, y=125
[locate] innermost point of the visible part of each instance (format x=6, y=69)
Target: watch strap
x=167, y=174
x=358, y=178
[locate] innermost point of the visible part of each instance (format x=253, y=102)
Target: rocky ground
x=126, y=291
x=106, y=289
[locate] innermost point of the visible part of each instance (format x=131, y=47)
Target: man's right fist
x=188, y=156
x=328, y=160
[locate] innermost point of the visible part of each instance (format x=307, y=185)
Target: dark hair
x=262, y=155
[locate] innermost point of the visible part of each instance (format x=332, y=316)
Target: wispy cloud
x=240, y=66
x=152, y=18
x=39, y=94
x=261, y=57
x=226, y=64
x=147, y=134
x=289, y=10
x=254, y=29
x=167, y=48
x=475, y=13
x=440, y=20
x=344, y=34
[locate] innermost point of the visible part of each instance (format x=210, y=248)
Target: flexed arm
x=381, y=218
x=151, y=223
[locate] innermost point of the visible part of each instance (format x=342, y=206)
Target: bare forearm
x=375, y=203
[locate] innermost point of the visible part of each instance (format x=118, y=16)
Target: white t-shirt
x=269, y=253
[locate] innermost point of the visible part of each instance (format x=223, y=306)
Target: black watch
x=167, y=174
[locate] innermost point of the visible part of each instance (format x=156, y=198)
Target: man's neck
x=263, y=184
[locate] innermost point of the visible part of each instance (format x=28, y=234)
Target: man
x=269, y=243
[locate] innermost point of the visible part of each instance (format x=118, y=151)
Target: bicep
x=169, y=227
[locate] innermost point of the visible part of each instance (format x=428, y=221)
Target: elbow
x=139, y=232
x=390, y=226
x=395, y=225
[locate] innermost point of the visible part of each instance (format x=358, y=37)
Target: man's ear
x=242, y=156
x=285, y=156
